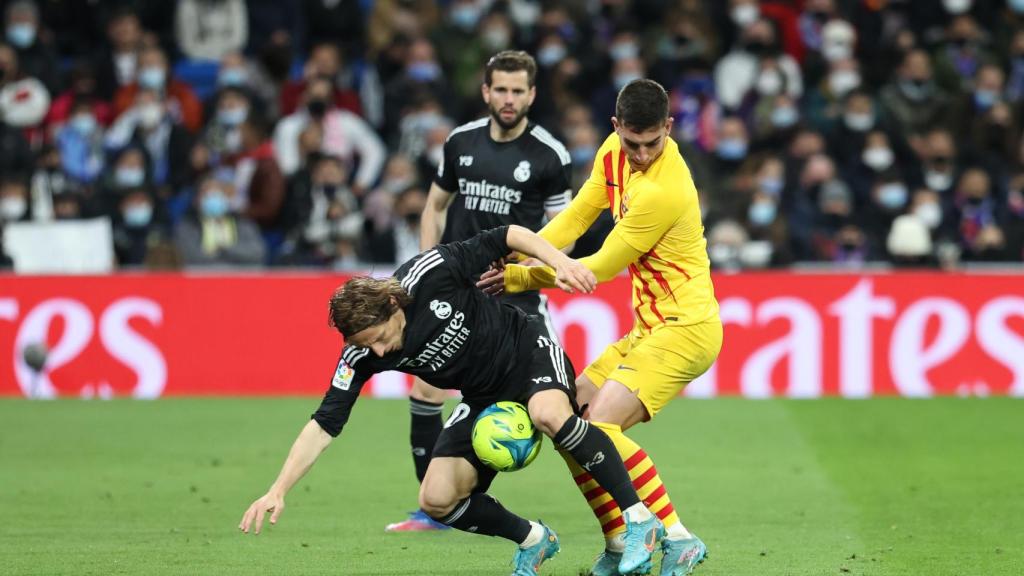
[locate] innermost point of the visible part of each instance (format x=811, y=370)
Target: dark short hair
x=511, y=61
x=642, y=104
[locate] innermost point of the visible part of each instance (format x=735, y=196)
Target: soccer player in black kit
x=499, y=170
x=431, y=321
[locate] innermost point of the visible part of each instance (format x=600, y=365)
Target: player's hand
x=254, y=515
x=571, y=276
x=492, y=282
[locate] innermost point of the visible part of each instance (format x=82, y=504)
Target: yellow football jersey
x=658, y=235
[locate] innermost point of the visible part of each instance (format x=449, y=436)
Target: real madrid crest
x=522, y=172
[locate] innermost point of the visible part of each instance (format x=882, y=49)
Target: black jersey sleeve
x=445, y=177
x=354, y=369
x=557, y=187
x=469, y=258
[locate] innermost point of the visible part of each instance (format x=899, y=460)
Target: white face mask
x=769, y=83
x=957, y=6
x=841, y=82
x=745, y=14
x=930, y=214
x=12, y=208
x=150, y=114
x=938, y=181
x=877, y=159
x=833, y=51
x=858, y=122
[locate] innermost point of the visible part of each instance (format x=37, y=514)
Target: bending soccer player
x=640, y=176
x=429, y=320
x=499, y=170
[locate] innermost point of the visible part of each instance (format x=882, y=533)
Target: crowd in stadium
x=307, y=132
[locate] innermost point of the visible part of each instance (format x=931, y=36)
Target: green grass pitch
x=873, y=487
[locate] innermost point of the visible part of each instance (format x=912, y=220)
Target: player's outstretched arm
x=434, y=217
x=570, y=275
x=306, y=449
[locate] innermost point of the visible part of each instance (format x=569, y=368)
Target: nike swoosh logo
x=621, y=367
x=612, y=184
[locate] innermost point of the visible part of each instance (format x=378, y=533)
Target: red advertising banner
x=786, y=334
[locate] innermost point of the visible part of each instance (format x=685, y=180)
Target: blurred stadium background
x=182, y=184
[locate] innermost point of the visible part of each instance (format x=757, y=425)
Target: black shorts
x=548, y=368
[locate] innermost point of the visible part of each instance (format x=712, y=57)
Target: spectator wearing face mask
x=222, y=135
x=238, y=73
x=421, y=72
x=825, y=103
x=876, y=160
x=153, y=74
x=321, y=208
x=460, y=45
x=127, y=170
x=731, y=149
x=742, y=70
x=987, y=121
x=37, y=56
x=82, y=86
x=623, y=71
x=927, y=207
x=961, y=55
x=14, y=201
x=342, y=134
x=149, y=124
x=940, y=164
x=776, y=120
x=913, y=100
x=889, y=196
x=136, y=227
x=215, y=235
x=325, y=61
x=80, y=143
x=768, y=231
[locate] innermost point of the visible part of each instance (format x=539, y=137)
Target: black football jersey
x=501, y=183
x=456, y=337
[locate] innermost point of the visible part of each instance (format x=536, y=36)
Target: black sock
x=426, y=427
x=482, y=514
x=595, y=452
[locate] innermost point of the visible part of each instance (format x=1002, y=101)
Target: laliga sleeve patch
x=343, y=376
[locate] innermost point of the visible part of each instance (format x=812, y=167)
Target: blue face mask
x=732, y=149
x=892, y=196
x=214, y=205
x=232, y=116
x=985, y=99
x=582, y=154
x=551, y=54
x=762, y=213
x=771, y=186
x=465, y=16
x=620, y=80
x=233, y=77
x=21, y=35
x=784, y=117
x=424, y=72
x=1016, y=5
x=152, y=78
x=138, y=215
x=129, y=177
x=84, y=124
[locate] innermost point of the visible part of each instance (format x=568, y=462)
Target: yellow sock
x=643, y=474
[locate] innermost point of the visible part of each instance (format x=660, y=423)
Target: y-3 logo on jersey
x=465, y=160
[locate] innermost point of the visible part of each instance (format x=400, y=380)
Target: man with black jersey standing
x=429, y=320
x=499, y=170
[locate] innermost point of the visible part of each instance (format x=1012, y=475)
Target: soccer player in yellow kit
x=641, y=177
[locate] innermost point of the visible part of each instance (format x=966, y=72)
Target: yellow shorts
x=658, y=365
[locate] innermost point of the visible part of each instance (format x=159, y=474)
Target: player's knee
x=437, y=503
x=549, y=417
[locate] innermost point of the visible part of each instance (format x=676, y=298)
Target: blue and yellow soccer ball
x=505, y=438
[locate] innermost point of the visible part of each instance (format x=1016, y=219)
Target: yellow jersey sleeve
x=606, y=263
x=572, y=222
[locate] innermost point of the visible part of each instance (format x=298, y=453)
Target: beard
x=508, y=125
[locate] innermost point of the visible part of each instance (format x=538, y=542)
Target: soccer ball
x=504, y=438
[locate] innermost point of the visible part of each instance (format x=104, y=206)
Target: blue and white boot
x=527, y=561
x=682, y=556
